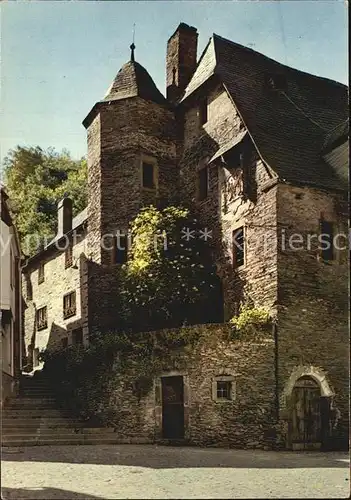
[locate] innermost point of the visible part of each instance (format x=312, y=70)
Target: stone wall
x=245, y=421
x=313, y=327
x=58, y=281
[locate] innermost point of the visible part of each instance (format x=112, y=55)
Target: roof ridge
x=285, y=66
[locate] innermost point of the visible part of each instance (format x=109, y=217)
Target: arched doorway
x=306, y=425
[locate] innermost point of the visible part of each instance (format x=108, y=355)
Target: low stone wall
x=245, y=421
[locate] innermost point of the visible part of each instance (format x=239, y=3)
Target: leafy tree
x=170, y=279
x=36, y=180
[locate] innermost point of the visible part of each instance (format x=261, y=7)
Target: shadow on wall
x=42, y=493
x=168, y=457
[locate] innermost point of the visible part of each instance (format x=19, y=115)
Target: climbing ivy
x=251, y=322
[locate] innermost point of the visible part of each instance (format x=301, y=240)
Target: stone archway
x=305, y=404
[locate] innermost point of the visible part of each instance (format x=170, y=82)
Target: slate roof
x=337, y=135
x=289, y=128
x=132, y=80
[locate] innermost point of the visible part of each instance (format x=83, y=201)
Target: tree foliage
x=170, y=279
x=36, y=180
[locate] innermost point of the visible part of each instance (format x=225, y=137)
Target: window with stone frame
x=223, y=388
x=148, y=175
x=69, y=256
x=203, y=111
x=69, y=305
x=238, y=247
x=64, y=342
x=77, y=336
x=202, y=183
x=327, y=238
x=42, y=318
x=41, y=273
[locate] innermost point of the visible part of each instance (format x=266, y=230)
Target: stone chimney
x=64, y=214
x=181, y=60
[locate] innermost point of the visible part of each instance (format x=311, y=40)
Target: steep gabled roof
x=289, y=127
x=133, y=80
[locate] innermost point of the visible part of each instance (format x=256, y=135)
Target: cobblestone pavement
x=149, y=471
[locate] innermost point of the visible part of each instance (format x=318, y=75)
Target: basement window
x=69, y=305
x=42, y=318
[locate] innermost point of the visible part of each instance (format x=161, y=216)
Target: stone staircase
x=35, y=418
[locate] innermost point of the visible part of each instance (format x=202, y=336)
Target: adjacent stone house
x=262, y=150
x=10, y=302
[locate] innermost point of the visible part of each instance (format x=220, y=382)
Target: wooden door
x=172, y=407
x=306, y=415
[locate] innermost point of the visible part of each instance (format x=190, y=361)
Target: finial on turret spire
x=132, y=48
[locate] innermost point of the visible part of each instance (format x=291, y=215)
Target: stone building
x=262, y=150
x=10, y=302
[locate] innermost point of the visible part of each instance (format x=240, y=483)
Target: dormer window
x=276, y=81
x=203, y=115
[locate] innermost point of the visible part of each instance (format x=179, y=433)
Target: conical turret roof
x=133, y=80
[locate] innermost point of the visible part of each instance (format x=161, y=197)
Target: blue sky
x=59, y=58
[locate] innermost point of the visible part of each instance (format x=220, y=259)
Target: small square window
x=69, y=305
x=224, y=389
x=42, y=318
x=41, y=273
x=149, y=176
x=203, y=111
x=238, y=248
x=77, y=336
x=68, y=256
x=202, y=183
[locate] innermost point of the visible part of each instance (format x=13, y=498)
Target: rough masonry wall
x=58, y=281
x=226, y=209
x=313, y=295
x=246, y=421
x=130, y=131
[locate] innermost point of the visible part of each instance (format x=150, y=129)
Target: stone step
x=106, y=439
x=31, y=404
x=47, y=431
x=19, y=423
x=69, y=440
x=34, y=413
